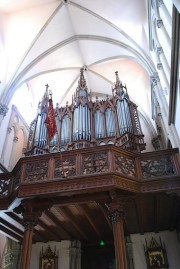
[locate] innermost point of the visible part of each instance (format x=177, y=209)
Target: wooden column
x=30, y=220
x=116, y=215
x=31, y=211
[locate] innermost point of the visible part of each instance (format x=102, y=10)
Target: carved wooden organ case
x=87, y=123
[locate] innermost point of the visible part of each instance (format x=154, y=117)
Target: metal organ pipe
x=75, y=125
x=38, y=124
x=110, y=123
x=42, y=137
x=98, y=122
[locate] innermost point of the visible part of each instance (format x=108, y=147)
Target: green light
x=101, y=243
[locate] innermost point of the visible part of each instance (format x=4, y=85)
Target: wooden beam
x=84, y=211
x=175, y=213
x=52, y=234
x=105, y=213
x=70, y=217
x=11, y=234
x=138, y=205
x=10, y=226
x=156, y=213
x=59, y=224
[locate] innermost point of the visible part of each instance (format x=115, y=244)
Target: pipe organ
x=87, y=123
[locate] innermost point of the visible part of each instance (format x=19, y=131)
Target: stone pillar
x=75, y=255
x=116, y=215
x=13, y=155
x=12, y=255
x=9, y=130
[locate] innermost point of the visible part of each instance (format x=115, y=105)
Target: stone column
x=75, y=255
x=9, y=130
x=116, y=215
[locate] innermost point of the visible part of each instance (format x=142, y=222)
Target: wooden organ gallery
x=84, y=171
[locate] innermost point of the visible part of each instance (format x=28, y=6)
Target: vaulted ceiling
x=49, y=41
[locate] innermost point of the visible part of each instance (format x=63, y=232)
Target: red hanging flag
x=51, y=121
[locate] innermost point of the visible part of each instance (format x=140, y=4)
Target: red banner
x=51, y=121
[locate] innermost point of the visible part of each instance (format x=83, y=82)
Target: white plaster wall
x=170, y=240
x=17, y=149
x=62, y=249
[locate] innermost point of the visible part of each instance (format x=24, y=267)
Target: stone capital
x=15, y=139
x=160, y=2
x=159, y=23
x=3, y=109
x=159, y=50
x=160, y=66
x=9, y=130
x=154, y=80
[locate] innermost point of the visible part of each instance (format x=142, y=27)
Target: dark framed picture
x=156, y=259
x=48, y=259
x=156, y=256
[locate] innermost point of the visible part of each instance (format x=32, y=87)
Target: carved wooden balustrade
x=92, y=170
